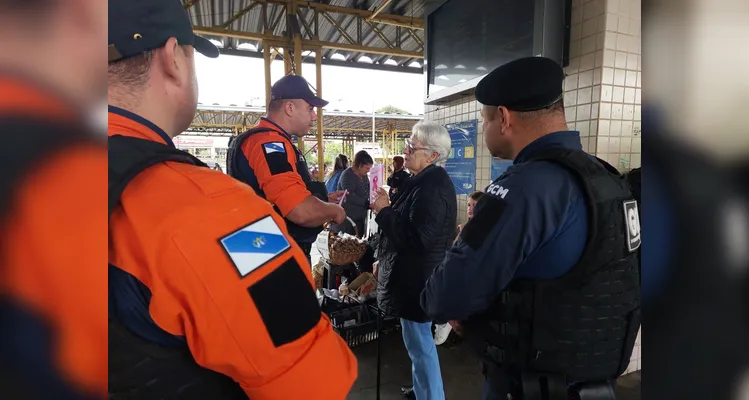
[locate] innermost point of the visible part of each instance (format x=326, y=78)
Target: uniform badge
x=274, y=147
x=256, y=244
x=632, y=221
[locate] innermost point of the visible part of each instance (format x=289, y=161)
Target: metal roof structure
x=227, y=121
x=389, y=32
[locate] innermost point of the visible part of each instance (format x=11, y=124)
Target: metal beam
x=308, y=43
x=380, y=34
x=320, y=146
x=379, y=9
x=338, y=27
x=327, y=61
x=389, y=19
x=242, y=12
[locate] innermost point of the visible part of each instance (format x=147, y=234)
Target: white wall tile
x=609, y=58
x=604, y=110
x=631, y=78
x=620, y=60
x=628, y=112
x=618, y=94
x=606, y=90
x=585, y=79
x=629, y=95
x=616, y=128
x=604, y=127
x=608, y=76
x=587, y=62
x=583, y=112
x=616, y=111
x=584, y=95
x=570, y=98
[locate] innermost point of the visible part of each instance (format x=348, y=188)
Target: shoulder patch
x=274, y=147
x=488, y=211
x=632, y=222
x=256, y=244
x=276, y=158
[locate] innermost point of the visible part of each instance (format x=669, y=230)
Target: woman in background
x=417, y=229
x=399, y=176
x=356, y=181
x=341, y=163
x=442, y=331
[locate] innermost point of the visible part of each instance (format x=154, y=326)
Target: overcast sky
x=239, y=80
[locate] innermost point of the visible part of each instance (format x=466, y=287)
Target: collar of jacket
x=564, y=139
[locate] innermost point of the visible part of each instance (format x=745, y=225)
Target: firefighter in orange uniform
x=266, y=159
x=210, y=298
x=53, y=336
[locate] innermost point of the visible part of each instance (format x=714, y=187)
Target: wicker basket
x=345, y=251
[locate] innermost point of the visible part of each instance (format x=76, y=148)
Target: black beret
x=526, y=84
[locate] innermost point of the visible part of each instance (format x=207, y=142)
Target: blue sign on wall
x=499, y=166
x=461, y=165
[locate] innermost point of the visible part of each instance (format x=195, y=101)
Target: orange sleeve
x=55, y=242
x=273, y=159
x=241, y=292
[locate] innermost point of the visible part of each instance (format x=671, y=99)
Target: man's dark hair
x=557, y=107
x=362, y=158
x=130, y=74
x=275, y=105
x=475, y=196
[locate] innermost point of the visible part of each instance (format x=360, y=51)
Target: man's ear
x=288, y=107
x=503, y=114
x=169, y=59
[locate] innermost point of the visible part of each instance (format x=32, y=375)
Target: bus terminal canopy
x=228, y=121
x=375, y=34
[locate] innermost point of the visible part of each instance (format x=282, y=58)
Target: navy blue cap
x=525, y=84
x=292, y=87
x=136, y=26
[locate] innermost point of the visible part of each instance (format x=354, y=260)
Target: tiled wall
x=602, y=94
x=603, y=85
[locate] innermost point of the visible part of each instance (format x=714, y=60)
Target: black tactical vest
x=28, y=142
x=580, y=327
x=238, y=167
x=139, y=369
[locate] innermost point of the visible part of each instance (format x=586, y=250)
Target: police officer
x=550, y=255
x=209, y=296
x=266, y=159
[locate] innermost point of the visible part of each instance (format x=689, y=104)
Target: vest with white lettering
x=580, y=327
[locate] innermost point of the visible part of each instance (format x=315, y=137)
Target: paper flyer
x=376, y=180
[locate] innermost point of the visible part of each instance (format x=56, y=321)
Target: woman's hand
x=381, y=200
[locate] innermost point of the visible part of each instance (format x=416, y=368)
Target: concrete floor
x=461, y=372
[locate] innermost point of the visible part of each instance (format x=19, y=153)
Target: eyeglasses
x=410, y=147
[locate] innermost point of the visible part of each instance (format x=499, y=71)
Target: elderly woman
x=417, y=229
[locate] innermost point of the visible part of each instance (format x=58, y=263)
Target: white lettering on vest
x=497, y=190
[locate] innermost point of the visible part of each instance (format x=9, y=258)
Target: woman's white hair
x=434, y=137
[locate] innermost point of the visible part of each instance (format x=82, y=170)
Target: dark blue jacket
x=541, y=234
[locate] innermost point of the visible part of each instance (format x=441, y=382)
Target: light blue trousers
x=425, y=365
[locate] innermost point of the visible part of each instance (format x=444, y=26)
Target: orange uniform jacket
x=278, y=178
x=224, y=274
x=53, y=241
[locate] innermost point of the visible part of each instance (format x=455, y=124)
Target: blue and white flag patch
x=255, y=245
x=274, y=147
